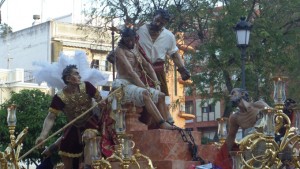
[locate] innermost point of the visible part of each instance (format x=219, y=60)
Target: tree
x=32, y=108
x=273, y=35
x=5, y=30
x=273, y=46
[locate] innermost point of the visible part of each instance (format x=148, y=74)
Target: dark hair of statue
x=67, y=71
x=244, y=94
x=126, y=33
x=163, y=13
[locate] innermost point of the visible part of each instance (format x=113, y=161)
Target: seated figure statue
x=131, y=68
x=246, y=118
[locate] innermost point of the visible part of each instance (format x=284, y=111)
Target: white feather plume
x=52, y=73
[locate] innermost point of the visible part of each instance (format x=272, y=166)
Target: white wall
x=23, y=47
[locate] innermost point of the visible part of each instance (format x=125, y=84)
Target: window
x=209, y=134
x=108, y=66
x=95, y=63
x=189, y=107
x=189, y=121
x=207, y=110
x=99, y=62
x=208, y=113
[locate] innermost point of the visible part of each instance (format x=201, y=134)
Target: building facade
x=206, y=111
x=14, y=80
x=206, y=115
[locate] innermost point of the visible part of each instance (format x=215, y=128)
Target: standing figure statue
x=131, y=67
x=73, y=100
x=245, y=118
x=157, y=42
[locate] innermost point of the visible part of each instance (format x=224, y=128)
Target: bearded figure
x=247, y=117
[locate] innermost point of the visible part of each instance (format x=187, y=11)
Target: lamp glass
x=94, y=148
x=127, y=146
x=222, y=128
x=11, y=115
x=120, y=125
x=269, y=122
x=243, y=36
x=297, y=121
x=279, y=90
x=236, y=159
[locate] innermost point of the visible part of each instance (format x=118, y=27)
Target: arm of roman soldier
x=92, y=91
x=54, y=110
x=127, y=69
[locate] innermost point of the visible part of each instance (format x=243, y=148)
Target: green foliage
x=273, y=46
x=3, y=130
x=4, y=30
x=32, y=108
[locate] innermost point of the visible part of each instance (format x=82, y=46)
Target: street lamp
x=243, y=29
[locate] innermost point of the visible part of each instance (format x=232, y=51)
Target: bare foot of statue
x=170, y=120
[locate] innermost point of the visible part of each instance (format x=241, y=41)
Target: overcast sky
x=19, y=13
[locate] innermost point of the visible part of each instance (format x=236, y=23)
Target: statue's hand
x=39, y=140
x=50, y=150
x=157, y=87
x=185, y=74
x=46, y=152
x=111, y=57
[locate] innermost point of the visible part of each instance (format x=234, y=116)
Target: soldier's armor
x=76, y=104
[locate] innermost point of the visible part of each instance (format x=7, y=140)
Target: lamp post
x=10, y=157
x=242, y=30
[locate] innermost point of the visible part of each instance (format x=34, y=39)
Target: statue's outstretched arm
x=47, y=126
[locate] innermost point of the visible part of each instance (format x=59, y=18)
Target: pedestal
x=208, y=152
x=167, y=164
x=132, y=118
x=162, y=144
x=165, y=148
